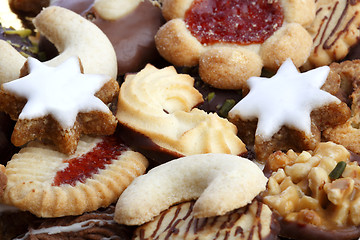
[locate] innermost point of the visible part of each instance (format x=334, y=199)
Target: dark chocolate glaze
x=132, y=35
x=7, y=149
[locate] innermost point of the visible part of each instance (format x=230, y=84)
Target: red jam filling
x=88, y=164
x=233, y=21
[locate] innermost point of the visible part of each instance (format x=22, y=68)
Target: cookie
x=334, y=31
x=59, y=104
x=254, y=221
x=131, y=31
x=48, y=183
x=275, y=115
x=165, y=100
x=229, y=50
x=28, y=7
x=347, y=134
x=219, y=182
x=315, y=193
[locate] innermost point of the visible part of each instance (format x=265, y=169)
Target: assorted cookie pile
x=181, y=119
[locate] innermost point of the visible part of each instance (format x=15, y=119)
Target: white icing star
x=286, y=99
x=61, y=91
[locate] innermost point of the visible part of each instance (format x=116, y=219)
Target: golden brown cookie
x=164, y=100
x=275, y=115
x=334, y=31
x=315, y=193
x=59, y=104
x=50, y=184
x=231, y=49
x=254, y=221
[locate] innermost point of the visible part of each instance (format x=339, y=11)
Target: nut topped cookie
x=231, y=45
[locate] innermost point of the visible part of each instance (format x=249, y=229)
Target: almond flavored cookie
x=156, y=110
x=48, y=183
x=229, y=44
x=287, y=111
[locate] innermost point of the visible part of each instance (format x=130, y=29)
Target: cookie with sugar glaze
x=48, y=183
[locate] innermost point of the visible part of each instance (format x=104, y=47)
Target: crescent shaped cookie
x=165, y=100
x=50, y=184
x=219, y=182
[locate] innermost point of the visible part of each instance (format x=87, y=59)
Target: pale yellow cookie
x=50, y=184
x=159, y=104
x=219, y=182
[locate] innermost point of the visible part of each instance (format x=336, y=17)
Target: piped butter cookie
x=59, y=104
x=229, y=44
x=158, y=105
x=51, y=184
x=287, y=111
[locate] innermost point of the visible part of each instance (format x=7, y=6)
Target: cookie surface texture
x=165, y=100
x=334, y=31
x=219, y=182
x=231, y=49
x=50, y=184
x=255, y=221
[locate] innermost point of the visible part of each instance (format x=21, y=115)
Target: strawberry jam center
x=233, y=21
x=85, y=166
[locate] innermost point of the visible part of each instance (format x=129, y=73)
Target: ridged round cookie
x=255, y=221
x=160, y=104
x=51, y=184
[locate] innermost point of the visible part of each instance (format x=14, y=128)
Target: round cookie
x=229, y=45
x=132, y=34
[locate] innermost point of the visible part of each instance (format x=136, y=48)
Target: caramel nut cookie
x=231, y=49
x=48, y=183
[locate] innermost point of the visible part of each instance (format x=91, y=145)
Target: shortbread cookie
x=92, y=225
x=231, y=49
x=130, y=25
x=165, y=101
x=219, y=182
x=334, y=31
x=59, y=104
x=3, y=180
x=50, y=184
x=276, y=115
x=348, y=134
x=315, y=193
x=254, y=221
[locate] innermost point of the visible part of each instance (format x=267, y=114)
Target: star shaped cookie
x=287, y=110
x=58, y=104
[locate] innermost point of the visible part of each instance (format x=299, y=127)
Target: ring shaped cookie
x=73, y=36
x=225, y=62
x=219, y=182
x=165, y=101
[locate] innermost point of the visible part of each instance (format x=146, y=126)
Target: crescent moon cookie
x=59, y=104
x=315, y=193
x=287, y=111
x=334, y=31
x=348, y=134
x=229, y=44
x=219, y=182
x=48, y=183
x=158, y=104
x=254, y=221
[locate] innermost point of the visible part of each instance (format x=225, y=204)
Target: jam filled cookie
x=335, y=31
x=254, y=221
x=48, y=183
x=287, y=111
x=59, y=104
x=315, y=193
x=164, y=100
x=229, y=44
